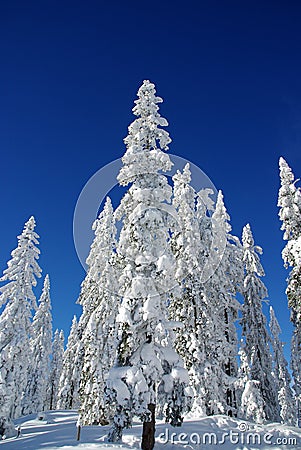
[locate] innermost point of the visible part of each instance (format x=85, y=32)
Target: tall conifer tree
x=56, y=367
x=254, y=330
x=281, y=373
x=100, y=304
x=41, y=348
x=190, y=307
x=289, y=202
x=68, y=392
x=146, y=363
x=220, y=290
x=15, y=321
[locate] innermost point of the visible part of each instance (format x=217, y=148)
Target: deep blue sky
x=229, y=73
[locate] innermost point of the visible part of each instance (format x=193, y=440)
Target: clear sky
x=230, y=76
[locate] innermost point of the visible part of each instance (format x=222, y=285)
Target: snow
x=59, y=431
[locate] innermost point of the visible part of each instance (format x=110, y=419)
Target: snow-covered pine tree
x=243, y=373
x=209, y=400
x=289, y=204
x=209, y=268
x=281, y=373
x=68, y=396
x=146, y=362
x=15, y=321
x=100, y=276
x=56, y=367
x=220, y=291
x=190, y=308
x=251, y=405
x=41, y=348
x=296, y=370
x=289, y=201
x=254, y=330
x=186, y=233
x=100, y=305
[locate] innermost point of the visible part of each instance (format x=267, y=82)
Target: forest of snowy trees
x=172, y=321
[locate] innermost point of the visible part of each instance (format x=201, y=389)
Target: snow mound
x=59, y=431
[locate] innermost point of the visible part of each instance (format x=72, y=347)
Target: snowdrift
x=57, y=430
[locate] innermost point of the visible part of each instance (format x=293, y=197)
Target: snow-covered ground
x=58, y=431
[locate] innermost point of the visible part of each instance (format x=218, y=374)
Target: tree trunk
x=78, y=432
x=148, y=432
x=51, y=397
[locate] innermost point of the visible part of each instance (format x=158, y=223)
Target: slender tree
x=289, y=202
x=146, y=362
x=190, y=307
x=220, y=290
x=15, y=321
x=254, y=330
x=41, y=348
x=296, y=370
x=251, y=405
x=70, y=375
x=209, y=400
x=100, y=304
x=56, y=367
x=281, y=373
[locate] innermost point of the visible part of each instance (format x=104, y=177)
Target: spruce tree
x=41, y=349
x=207, y=373
x=254, y=330
x=210, y=271
x=56, y=367
x=68, y=395
x=220, y=291
x=251, y=404
x=146, y=363
x=296, y=369
x=281, y=373
x=289, y=202
x=15, y=321
x=190, y=307
x=100, y=277
x=100, y=305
